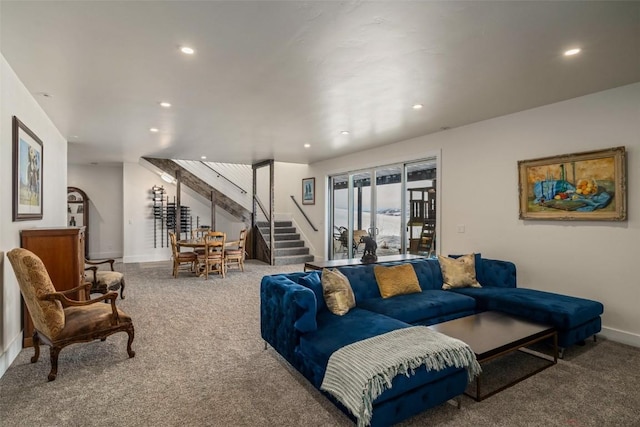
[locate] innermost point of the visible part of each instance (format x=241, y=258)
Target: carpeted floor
x=200, y=361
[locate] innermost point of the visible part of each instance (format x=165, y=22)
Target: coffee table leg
x=478, y=398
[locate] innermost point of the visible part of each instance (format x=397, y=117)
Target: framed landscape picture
x=27, y=173
x=581, y=186
x=309, y=191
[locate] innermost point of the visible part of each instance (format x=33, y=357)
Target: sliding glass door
x=394, y=204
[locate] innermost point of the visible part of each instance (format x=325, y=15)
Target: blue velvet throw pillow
x=479, y=270
x=312, y=281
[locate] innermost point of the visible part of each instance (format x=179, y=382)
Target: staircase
x=289, y=248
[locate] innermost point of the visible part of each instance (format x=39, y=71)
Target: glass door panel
x=339, y=190
x=361, y=212
x=421, y=208
x=387, y=223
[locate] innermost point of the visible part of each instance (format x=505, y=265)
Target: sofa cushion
x=396, y=280
x=458, y=273
x=312, y=281
x=428, y=272
x=335, y=332
x=337, y=292
x=562, y=311
x=416, y=308
x=478, y=264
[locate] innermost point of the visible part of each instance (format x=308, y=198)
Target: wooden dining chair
x=235, y=251
x=213, y=258
x=181, y=258
x=198, y=234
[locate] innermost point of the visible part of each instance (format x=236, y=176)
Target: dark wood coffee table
x=492, y=334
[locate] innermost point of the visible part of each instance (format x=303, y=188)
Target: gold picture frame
x=588, y=186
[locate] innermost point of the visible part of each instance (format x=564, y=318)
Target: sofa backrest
x=489, y=272
x=363, y=280
x=497, y=274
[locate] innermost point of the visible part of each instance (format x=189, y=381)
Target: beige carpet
x=200, y=361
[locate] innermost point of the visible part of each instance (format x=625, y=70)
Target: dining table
x=191, y=243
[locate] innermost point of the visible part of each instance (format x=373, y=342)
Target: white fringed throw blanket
x=358, y=373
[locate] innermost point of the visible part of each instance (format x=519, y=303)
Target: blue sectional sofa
x=297, y=324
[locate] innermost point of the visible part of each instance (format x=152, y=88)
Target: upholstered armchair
x=59, y=321
x=104, y=280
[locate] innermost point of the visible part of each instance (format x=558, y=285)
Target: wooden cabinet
x=62, y=252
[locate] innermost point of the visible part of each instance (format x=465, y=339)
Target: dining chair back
x=235, y=251
x=181, y=258
x=213, y=258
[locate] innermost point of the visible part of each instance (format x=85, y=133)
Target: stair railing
x=242, y=190
x=270, y=246
x=303, y=214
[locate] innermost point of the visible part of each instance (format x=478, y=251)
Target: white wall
x=103, y=186
x=137, y=214
x=288, y=182
x=15, y=100
x=479, y=188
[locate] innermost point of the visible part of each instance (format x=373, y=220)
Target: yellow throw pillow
x=458, y=272
x=337, y=292
x=396, y=280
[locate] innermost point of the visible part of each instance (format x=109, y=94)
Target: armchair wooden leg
x=131, y=334
x=122, y=289
x=36, y=347
x=54, y=352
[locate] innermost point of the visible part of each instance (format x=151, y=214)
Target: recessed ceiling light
x=572, y=52
x=344, y=132
x=165, y=104
x=154, y=130
x=417, y=106
x=187, y=50
x=203, y=157
x=307, y=145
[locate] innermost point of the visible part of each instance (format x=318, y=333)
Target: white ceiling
x=268, y=76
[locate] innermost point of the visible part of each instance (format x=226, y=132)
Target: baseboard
x=623, y=337
x=105, y=255
x=7, y=358
x=147, y=258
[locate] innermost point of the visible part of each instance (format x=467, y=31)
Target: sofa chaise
x=295, y=321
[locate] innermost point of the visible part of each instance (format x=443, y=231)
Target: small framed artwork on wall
x=590, y=186
x=27, y=173
x=309, y=191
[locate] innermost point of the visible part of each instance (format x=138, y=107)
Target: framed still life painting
x=582, y=186
x=27, y=173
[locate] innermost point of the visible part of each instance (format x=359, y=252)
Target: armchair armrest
x=66, y=302
x=86, y=286
x=109, y=261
